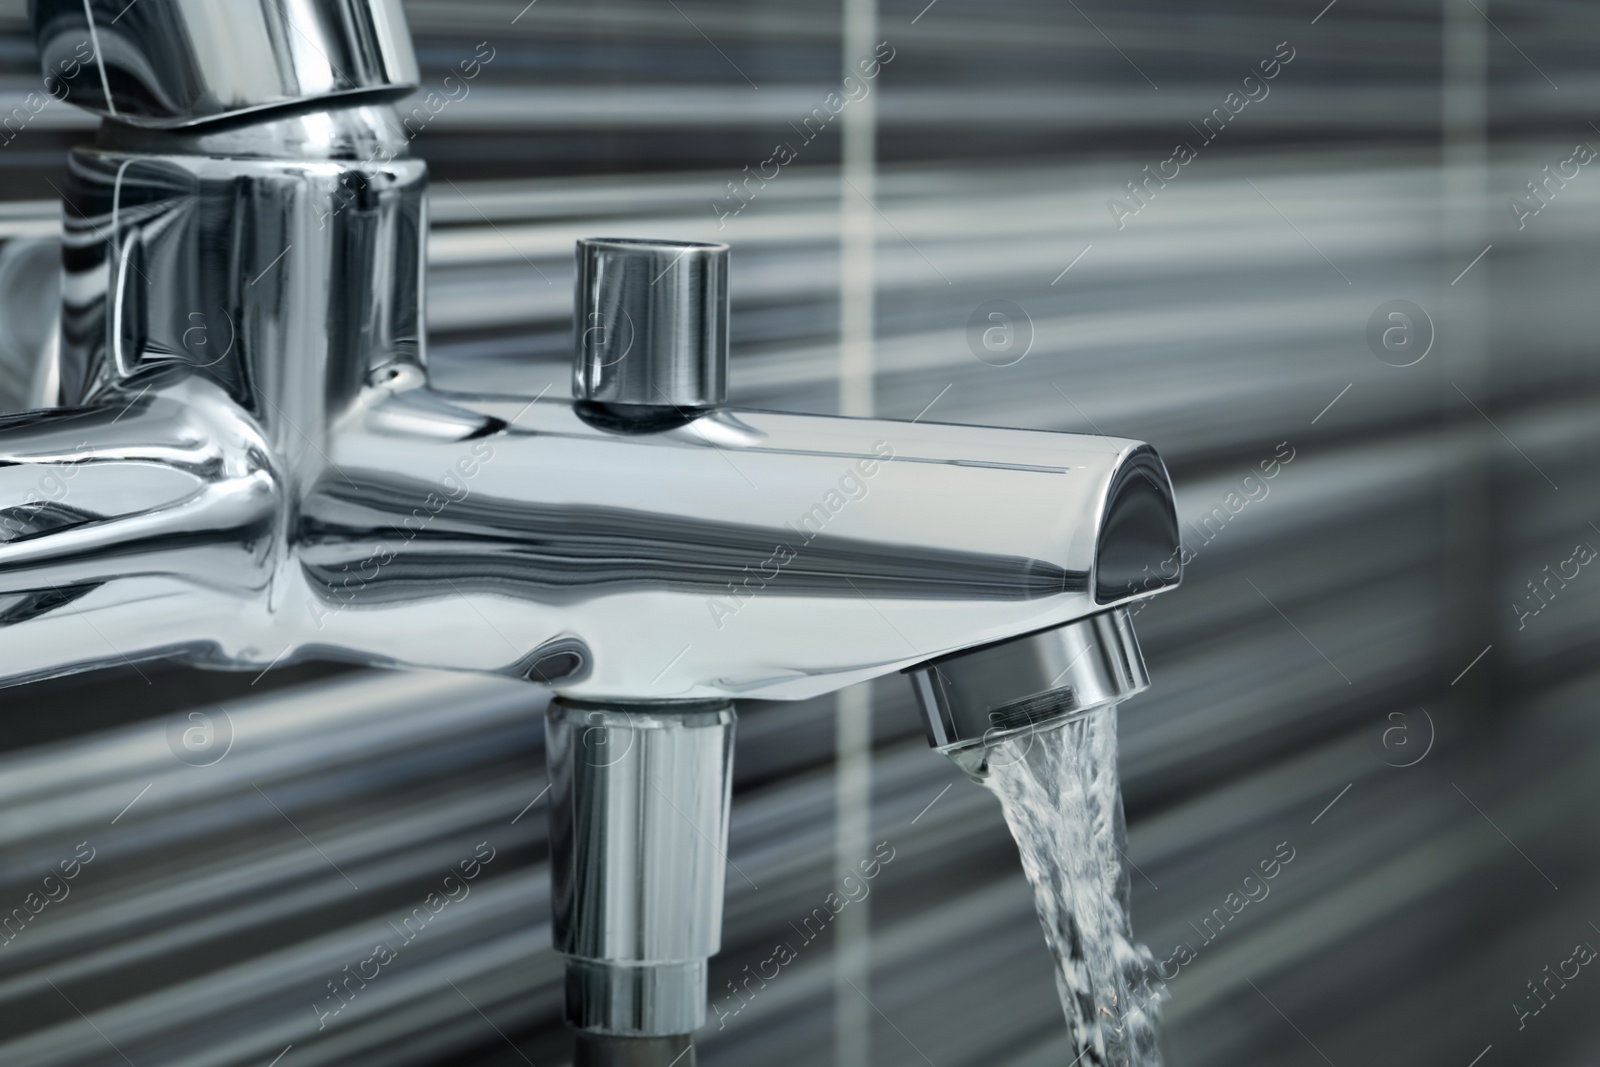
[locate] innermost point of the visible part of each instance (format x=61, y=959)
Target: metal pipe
x=638, y=811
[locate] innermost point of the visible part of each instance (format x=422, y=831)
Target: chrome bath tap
x=247, y=466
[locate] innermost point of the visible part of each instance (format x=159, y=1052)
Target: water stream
x=1063, y=801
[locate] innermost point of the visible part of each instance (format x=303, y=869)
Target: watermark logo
x=200, y=738
x=856, y=87
x=1400, y=333
x=1544, y=591
x=196, y=339
x=1550, y=981
x=598, y=742
x=1000, y=333
x=344, y=987
x=852, y=486
x=353, y=579
x=1540, y=194
x=52, y=889
x=1402, y=747
x=1252, y=889
x=607, y=343
x=1253, y=89
x=748, y=983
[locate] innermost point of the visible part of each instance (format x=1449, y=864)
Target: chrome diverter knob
x=652, y=323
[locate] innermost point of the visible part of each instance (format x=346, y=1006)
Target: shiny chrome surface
x=638, y=851
x=643, y=567
x=975, y=699
x=254, y=470
x=675, y=576
x=284, y=276
x=166, y=63
x=652, y=323
x=250, y=467
x=30, y=302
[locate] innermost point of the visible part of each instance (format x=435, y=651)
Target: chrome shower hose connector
x=639, y=800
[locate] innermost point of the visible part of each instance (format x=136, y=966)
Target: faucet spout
x=740, y=553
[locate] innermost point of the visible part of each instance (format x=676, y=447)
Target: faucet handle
x=175, y=63
x=652, y=323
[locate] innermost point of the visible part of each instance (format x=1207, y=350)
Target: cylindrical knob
x=652, y=323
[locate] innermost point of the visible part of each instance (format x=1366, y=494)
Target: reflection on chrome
x=248, y=467
x=178, y=62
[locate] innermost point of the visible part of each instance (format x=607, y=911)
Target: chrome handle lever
x=159, y=63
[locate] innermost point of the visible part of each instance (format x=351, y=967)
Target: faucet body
x=247, y=466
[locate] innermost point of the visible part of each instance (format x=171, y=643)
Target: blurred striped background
x=1353, y=666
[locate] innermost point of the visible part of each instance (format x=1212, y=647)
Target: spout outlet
x=974, y=700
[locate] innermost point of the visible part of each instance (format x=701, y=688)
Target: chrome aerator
x=974, y=700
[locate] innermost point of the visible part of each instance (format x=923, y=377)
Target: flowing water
x=1063, y=801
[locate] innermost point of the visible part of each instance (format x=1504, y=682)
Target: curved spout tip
x=1139, y=550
